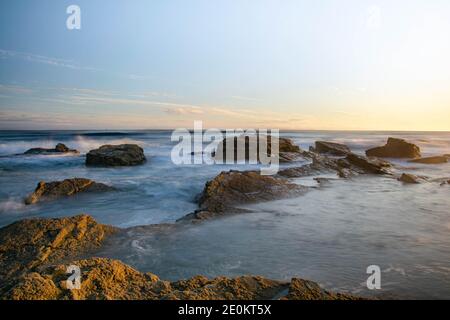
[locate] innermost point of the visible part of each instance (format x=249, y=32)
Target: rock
x=431, y=160
x=331, y=148
x=288, y=151
x=300, y=289
x=237, y=187
x=68, y=187
x=395, y=148
x=409, y=178
x=26, y=244
x=369, y=165
x=35, y=254
x=59, y=149
x=116, y=155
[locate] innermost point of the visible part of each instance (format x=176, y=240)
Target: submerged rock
x=410, y=178
x=237, y=187
x=60, y=148
x=68, y=187
x=395, y=148
x=35, y=254
x=116, y=155
x=431, y=160
x=331, y=148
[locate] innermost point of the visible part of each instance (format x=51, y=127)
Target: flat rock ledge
x=35, y=254
x=60, y=148
x=57, y=189
x=116, y=156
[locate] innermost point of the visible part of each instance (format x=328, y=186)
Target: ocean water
x=329, y=235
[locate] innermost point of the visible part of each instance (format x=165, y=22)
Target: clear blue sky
x=350, y=64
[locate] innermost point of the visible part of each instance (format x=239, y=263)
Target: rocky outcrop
x=288, y=151
x=238, y=187
x=57, y=189
x=395, y=148
x=331, y=148
x=59, y=149
x=368, y=165
x=116, y=155
x=300, y=289
x=35, y=254
x=27, y=244
x=431, y=160
x=410, y=178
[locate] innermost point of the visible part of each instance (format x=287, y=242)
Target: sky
x=149, y=64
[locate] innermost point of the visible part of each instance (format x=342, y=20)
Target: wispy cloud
x=56, y=62
x=5, y=89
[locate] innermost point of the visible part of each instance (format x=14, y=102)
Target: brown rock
x=431, y=160
x=106, y=279
x=395, y=148
x=409, y=178
x=60, y=148
x=300, y=289
x=288, y=151
x=369, y=165
x=235, y=187
x=68, y=187
x=27, y=244
x=31, y=268
x=331, y=148
x=116, y=155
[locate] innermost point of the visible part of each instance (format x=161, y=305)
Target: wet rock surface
x=239, y=187
x=410, y=178
x=35, y=254
x=60, y=148
x=395, y=148
x=116, y=155
x=46, y=191
x=331, y=148
x=27, y=244
x=431, y=160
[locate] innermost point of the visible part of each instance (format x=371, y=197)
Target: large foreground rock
x=57, y=189
x=116, y=155
x=29, y=243
x=59, y=149
x=431, y=160
x=238, y=187
x=395, y=148
x=331, y=148
x=35, y=254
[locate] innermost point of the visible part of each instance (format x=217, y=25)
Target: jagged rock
x=26, y=244
x=300, y=289
x=369, y=165
x=288, y=151
x=236, y=187
x=68, y=187
x=410, y=178
x=332, y=148
x=116, y=155
x=35, y=254
x=59, y=149
x=431, y=160
x=395, y=148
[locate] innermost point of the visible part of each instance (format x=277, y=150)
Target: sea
x=331, y=234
